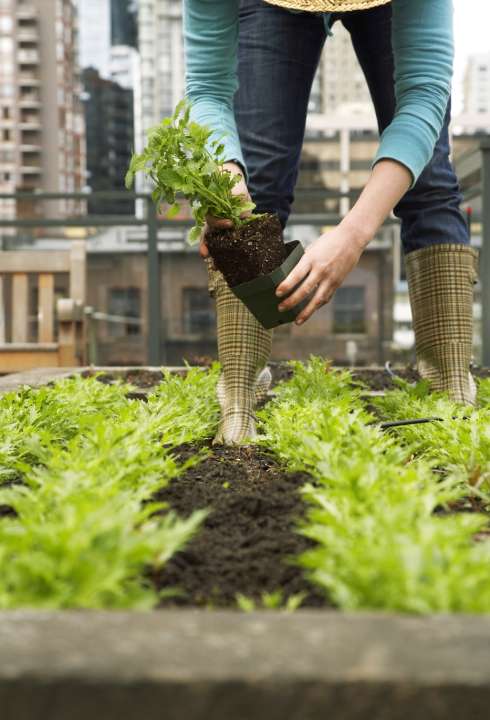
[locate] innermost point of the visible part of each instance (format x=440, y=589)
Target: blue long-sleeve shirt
x=422, y=36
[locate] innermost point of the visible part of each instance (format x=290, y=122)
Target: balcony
x=26, y=11
x=28, y=57
x=29, y=100
x=30, y=124
x=30, y=147
x=28, y=80
x=28, y=34
x=31, y=170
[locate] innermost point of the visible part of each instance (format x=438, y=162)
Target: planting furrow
x=245, y=549
x=379, y=543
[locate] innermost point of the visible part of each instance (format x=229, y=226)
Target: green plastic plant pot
x=259, y=295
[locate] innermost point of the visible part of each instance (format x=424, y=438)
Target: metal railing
x=153, y=223
x=479, y=160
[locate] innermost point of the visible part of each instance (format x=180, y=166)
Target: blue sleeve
x=423, y=50
x=211, y=40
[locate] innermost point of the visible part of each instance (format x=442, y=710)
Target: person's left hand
x=325, y=265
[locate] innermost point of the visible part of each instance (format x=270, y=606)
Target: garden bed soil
x=245, y=253
x=247, y=543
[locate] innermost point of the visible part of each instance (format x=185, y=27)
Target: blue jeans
x=279, y=53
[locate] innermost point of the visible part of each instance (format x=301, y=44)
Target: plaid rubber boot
x=440, y=283
x=244, y=348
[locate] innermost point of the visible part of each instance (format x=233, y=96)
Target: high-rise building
x=477, y=85
x=95, y=34
x=341, y=130
x=109, y=122
x=474, y=121
x=162, y=58
x=103, y=24
x=339, y=79
x=124, y=26
x=41, y=121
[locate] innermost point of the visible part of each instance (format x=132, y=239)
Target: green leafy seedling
x=181, y=159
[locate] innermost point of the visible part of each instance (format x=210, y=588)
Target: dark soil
x=382, y=380
x=245, y=253
x=247, y=542
x=379, y=380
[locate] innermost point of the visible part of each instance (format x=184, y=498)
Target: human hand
x=213, y=223
x=322, y=269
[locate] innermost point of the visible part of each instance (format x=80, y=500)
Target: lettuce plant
x=181, y=159
x=458, y=444
x=380, y=542
x=85, y=462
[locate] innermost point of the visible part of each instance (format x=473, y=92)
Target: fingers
x=306, y=287
x=213, y=223
x=295, y=276
x=203, y=249
x=322, y=296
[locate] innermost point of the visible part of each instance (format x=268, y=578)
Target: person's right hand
x=213, y=223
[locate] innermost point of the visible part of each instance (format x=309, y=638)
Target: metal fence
x=477, y=174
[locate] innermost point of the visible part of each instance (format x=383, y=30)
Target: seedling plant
x=181, y=159
x=79, y=463
x=374, y=501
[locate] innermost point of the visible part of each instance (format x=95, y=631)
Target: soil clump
x=245, y=253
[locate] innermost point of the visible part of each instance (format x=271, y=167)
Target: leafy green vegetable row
x=458, y=443
x=379, y=542
x=79, y=463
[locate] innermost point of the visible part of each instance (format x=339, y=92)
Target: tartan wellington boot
x=440, y=284
x=244, y=348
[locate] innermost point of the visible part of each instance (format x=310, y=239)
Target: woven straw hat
x=328, y=5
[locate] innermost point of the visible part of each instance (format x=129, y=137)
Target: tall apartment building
x=94, y=19
x=124, y=25
x=339, y=79
x=475, y=118
x=111, y=71
x=477, y=85
x=109, y=123
x=162, y=58
x=103, y=25
x=41, y=121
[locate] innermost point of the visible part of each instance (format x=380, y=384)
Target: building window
x=348, y=310
x=124, y=303
x=198, y=312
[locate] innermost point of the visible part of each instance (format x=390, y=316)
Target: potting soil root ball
x=244, y=253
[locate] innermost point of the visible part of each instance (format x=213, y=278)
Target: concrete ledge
x=198, y=665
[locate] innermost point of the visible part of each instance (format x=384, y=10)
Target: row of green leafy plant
x=79, y=464
x=376, y=500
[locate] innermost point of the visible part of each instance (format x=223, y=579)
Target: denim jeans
x=278, y=56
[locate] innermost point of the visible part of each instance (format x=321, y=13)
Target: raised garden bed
x=244, y=553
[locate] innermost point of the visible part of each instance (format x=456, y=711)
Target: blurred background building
x=82, y=82
x=41, y=120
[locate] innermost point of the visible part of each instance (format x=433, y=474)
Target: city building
x=112, y=98
x=162, y=59
x=475, y=116
x=124, y=25
x=339, y=79
x=477, y=85
x=112, y=49
x=357, y=322
x=95, y=34
x=110, y=139
x=41, y=119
